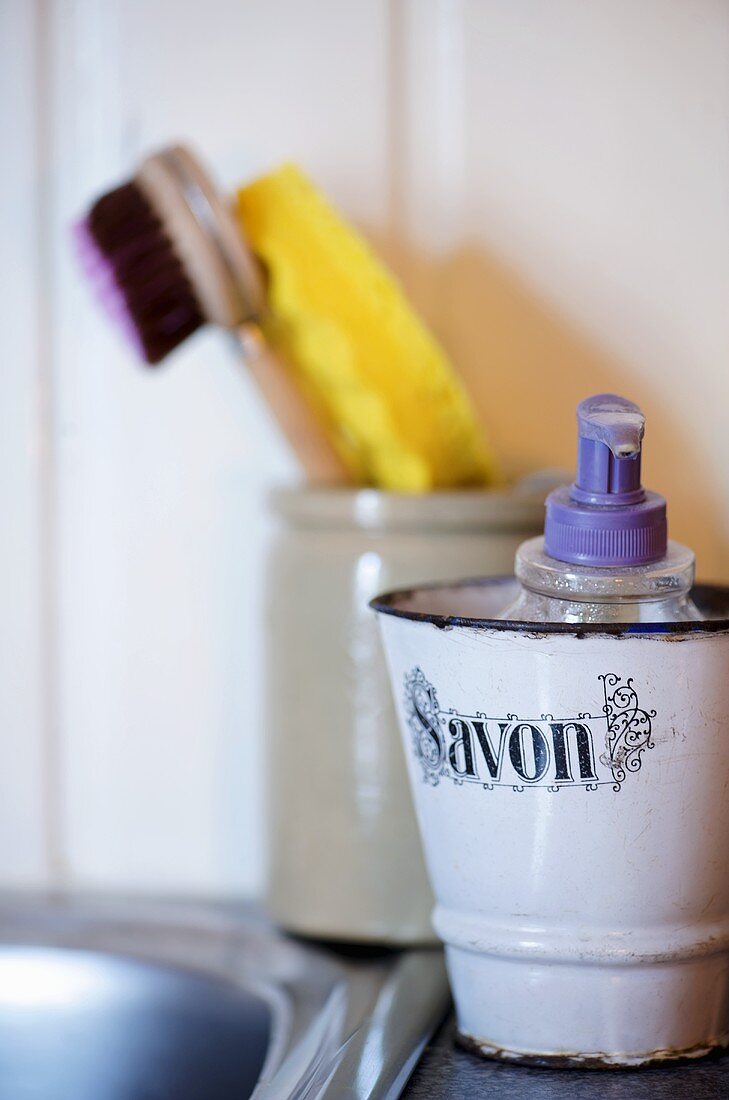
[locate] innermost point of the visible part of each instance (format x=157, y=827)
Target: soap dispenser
x=605, y=555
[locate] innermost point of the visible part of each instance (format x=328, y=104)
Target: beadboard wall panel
x=24, y=825
x=567, y=220
x=550, y=182
x=163, y=474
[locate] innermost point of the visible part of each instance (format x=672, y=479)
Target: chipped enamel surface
x=571, y=790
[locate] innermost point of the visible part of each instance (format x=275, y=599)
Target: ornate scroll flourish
x=422, y=710
x=629, y=727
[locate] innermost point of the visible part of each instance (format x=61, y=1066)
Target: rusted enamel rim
x=712, y=600
x=484, y=1049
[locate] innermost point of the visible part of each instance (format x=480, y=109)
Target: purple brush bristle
x=142, y=285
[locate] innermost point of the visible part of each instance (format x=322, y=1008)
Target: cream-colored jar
x=345, y=860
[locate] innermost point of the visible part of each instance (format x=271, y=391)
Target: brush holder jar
x=570, y=782
x=345, y=859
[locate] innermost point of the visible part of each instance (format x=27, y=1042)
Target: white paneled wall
x=24, y=825
x=162, y=524
x=551, y=181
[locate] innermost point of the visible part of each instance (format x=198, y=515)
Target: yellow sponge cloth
x=396, y=410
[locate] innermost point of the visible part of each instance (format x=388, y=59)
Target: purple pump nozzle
x=606, y=518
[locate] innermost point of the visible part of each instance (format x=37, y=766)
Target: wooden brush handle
x=299, y=423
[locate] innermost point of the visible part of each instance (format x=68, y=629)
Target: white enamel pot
x=571, y=786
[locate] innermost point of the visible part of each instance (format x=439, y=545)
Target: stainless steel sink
x=142, y=1000
x=85, y=1025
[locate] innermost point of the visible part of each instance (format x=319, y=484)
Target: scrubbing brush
x=166, y=257
x=362, y=390
x=140, y=279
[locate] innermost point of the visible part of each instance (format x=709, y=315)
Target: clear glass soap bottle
x=605, y=555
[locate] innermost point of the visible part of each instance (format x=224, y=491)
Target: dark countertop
x=446, y=1071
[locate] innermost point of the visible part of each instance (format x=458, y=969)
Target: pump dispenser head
x=606, y=518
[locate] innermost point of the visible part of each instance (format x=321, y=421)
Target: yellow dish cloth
x=396, y=410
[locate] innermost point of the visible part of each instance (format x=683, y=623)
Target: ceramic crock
x=571, y=785
x=345, y=860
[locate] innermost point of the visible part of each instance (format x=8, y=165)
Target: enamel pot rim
x=711, y=599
